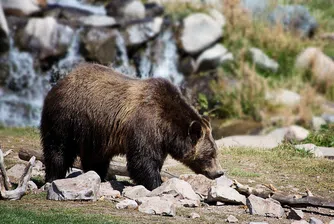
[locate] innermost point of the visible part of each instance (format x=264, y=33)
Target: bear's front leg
x=144, y=170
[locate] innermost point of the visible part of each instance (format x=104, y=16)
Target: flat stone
x=317, y=122
x=300, y=222
x=264, y=207
x=15, y=173
x=84, y=187
x=177, y=188
x=31, y=186
x=315, y=221
x=127, y=204
x=108, y=192
x=263, y=61
x=135, y=192
x=327, y=152
x=296, y=214
x=199, y=183
x=194, y=215
x=231, y=219
x=157, y=206
x=225, y=194
x=224, y=181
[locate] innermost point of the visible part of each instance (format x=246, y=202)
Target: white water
x=80, y=5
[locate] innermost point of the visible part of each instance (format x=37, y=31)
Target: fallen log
x=7, y=184
x=284, y=199
x=115, y=167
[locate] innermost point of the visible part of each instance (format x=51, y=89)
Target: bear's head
x=201, y=155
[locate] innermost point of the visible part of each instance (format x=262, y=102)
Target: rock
x=100, y=45
x=127, y=204
x=310, y=148
x=135, y=192
x=317, y=122
x=322, y=66
x=315, y=221
x=199, y=183
x=331, y=222
x=4, y=38
x=177, y=188
x=296, y=18
x=45, y=37
x=31, y=186
x=231, y=219
x=73, y=172
x=296, y=214
x=3, y=21
x=126, y=10
x=327, y=152
x=45, y=187
x=38, y=170
x=217, y=16
x=139, y=33
x=300, y=222
x=108, y=192
x=283, y=97
x=296, y=133
x=225, y=194
x=188, y=203
x=157, y=206
x=153, y=9
x=199, y=32
x=223, y=181
x=262, y=60
x=98, y=21
x=329, y=118
x=258, y=223
x=194, y=215
x=84, y=187
x=264, y=207
x=15, y=173
x=23, y=7
x=212, y=57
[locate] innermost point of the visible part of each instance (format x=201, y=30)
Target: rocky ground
x=193, y=199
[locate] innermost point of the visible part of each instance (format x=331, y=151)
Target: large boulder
x=23, y=7
x=157, y=205
x=199, y=31
x=126, y=10
x=45, y=37
x=84, y=187
x=99, y=45
x=220, y=193
x=264, y=207
x=318, y=63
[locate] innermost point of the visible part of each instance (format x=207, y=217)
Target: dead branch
x=3, y=172
x=290, y=200
x=115, y=167
x=7, y=152
x=23, y=184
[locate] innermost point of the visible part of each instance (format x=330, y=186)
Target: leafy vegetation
x=323, y=137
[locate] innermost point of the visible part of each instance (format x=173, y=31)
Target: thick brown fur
x=97, y=113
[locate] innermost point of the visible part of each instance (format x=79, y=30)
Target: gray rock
x=137, y=34
x=126, y=10
x=177, y=188
x=108, y=192
x=127, y=204
x=31, y=186
x=223, y=181
x=15, y=173
x=23, y=7
x=157, y=206
x=100, y=45
x=38, y=170
x=3, y=21
x=310, y=148
x=263, y=61
x=315, y=221
x=258, y=223
x=135, y=192
x=329, y=118
x=264, y=207
x=296, y=214
x=42, y=36
x=317, y=122
x=331, y=222
x=194, y=215
x=231, y=219
x=212, y=57
x=300, y=222
x=294, y=18
x=98, y=21
x=327, y=152
x=4, y=37
x=199, y=32
x=199, y=183
x=225, y=194
x=291, y=133
x=283, y=97
x=45, y=187
x=188, y=203
x=74, y=172
x=217, y=16
x=84, y=187
x=322, y=66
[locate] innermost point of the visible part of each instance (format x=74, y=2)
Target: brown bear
x=97, y=113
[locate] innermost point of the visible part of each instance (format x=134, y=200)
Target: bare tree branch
x=3, y=172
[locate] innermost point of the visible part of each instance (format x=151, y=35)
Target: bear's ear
x=195, y=131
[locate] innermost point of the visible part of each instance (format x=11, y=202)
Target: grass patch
x=30, y=132
x=323, y=137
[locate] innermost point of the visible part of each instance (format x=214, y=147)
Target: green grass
x=15, y=131
x=16, y=215
x=323, y=137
